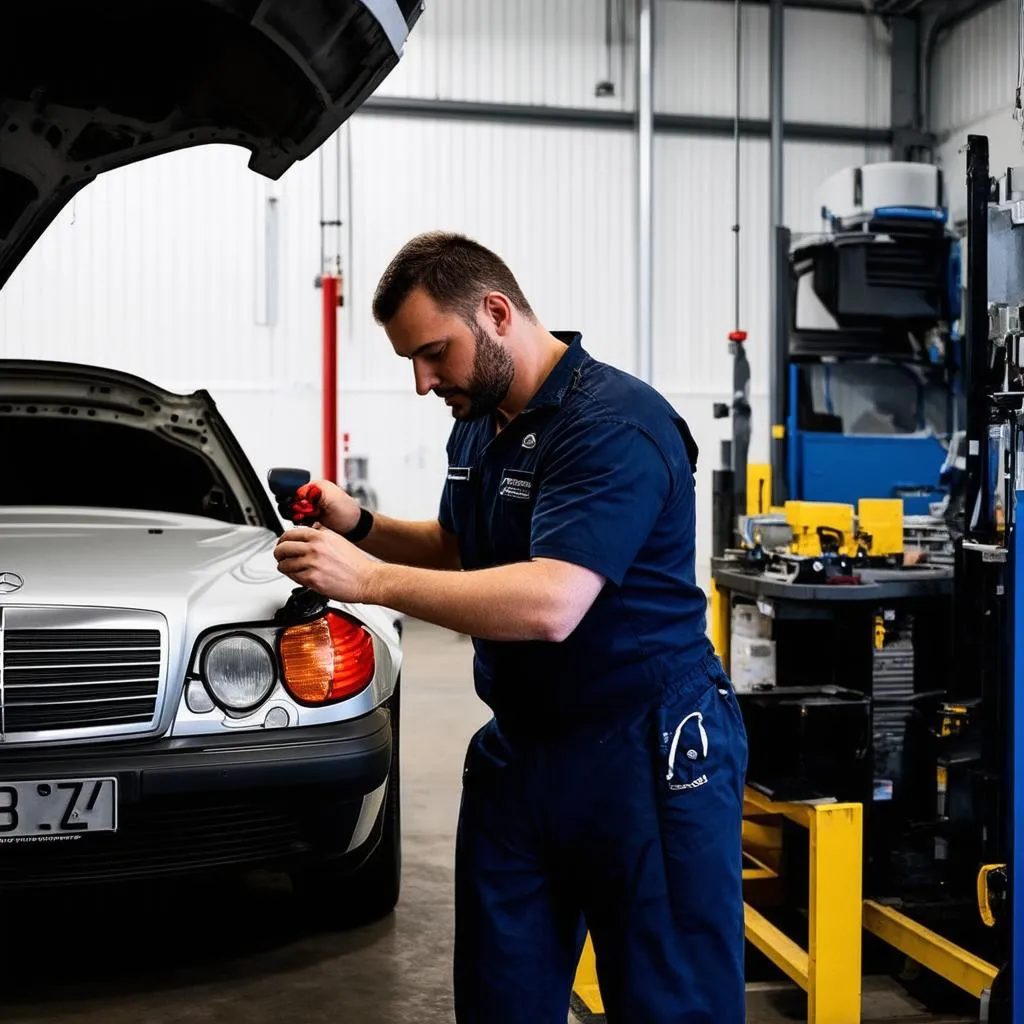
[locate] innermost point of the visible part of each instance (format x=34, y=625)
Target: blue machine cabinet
x=879, y=291
x=1016, y=759
x=836, y=467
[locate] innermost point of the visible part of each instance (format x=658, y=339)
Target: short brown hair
x=455, y=271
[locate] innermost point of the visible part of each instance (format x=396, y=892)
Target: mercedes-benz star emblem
x=10, y=582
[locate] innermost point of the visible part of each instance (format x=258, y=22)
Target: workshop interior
x=802, y=221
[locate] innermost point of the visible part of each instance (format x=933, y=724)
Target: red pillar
x=330, y=287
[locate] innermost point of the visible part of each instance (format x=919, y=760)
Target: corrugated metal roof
x=554, y=54
x=974, y=73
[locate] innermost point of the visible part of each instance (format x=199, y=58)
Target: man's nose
x=425, y=378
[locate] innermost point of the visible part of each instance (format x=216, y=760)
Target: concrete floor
x=212, y=955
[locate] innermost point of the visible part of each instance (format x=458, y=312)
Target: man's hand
x=321, y=560
x=325, y=502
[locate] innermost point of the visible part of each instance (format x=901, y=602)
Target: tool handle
x=830, y=538
x=285, y=480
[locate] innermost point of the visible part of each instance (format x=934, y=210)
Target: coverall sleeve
x=603, y=485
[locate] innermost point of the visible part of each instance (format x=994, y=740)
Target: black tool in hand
x=285, y=483
x=304, y=604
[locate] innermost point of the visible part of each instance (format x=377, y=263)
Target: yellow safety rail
x=945, y=958
x=720, y=626
x=829, y=970
x=585, y=986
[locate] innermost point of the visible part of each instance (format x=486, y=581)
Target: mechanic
x=606, y=793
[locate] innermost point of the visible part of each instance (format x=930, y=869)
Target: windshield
x=74, y=461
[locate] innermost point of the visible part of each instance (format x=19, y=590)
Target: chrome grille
x=62, y=679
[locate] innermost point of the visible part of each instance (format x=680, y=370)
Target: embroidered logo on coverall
x=516, y=484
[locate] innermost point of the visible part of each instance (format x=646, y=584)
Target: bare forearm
x=524, y=601
x=421, y=544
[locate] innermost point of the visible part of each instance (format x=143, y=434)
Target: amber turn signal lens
x=326, y=660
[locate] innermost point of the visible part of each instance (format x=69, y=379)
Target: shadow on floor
x=73, y=944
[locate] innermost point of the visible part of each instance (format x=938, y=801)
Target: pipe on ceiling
x=645, y=187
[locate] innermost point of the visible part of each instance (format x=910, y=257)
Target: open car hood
x=58, y=425
x=89, y=85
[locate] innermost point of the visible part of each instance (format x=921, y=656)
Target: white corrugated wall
x=160, y=269
x=973, y=85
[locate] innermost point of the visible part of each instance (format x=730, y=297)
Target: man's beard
x=493, y=371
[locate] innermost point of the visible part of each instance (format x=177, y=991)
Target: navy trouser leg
x=518, y=927
x=662, y=859
x=640, y=826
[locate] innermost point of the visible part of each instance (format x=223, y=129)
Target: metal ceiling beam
x=837, y=7
x=897, y=8
x=618, y=120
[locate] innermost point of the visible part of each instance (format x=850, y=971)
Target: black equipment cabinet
x=861, y=675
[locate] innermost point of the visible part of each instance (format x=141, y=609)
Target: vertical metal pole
x=738, y=49
x=776, y=30
x=329, y=287
x=738, y=337
x=979, y=496
x=723, y=505
x=645, y=185
x=778, y=263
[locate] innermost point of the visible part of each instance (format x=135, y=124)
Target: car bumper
x=202, y=803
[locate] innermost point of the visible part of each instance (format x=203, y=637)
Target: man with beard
x=606, y=793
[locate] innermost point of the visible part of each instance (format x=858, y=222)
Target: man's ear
x=498, y=310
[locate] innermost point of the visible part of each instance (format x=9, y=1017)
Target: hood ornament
x=10, y=582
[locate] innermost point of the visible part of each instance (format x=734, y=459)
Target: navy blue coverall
x=606, y=793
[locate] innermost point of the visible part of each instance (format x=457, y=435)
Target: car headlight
x=239, y=671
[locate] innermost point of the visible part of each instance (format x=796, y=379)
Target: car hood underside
x=96, y=84
x=120, y=439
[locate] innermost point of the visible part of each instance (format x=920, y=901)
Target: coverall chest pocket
x=463, y=498
x=512, y=515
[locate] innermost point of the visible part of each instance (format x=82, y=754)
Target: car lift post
x=330, y=293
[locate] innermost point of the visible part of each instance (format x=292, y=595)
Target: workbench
x=877, y=585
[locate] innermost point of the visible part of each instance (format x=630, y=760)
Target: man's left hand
x=325, y=562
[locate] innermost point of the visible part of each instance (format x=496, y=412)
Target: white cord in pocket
x=675, y=741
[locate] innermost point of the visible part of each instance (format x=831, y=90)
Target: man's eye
x=436, y=353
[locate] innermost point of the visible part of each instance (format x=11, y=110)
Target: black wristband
x=362, y=528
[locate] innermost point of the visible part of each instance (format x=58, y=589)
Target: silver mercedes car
x=169, y=702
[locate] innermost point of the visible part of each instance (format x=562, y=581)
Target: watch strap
x=362, y=527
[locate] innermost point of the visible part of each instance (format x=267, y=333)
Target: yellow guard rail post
x=829, y=970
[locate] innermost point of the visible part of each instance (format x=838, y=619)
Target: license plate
x=59, y=807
